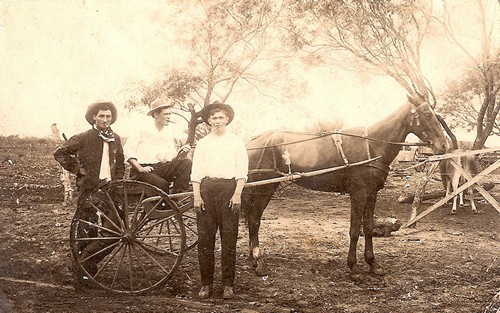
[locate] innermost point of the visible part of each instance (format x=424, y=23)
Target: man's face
x=218, y=120
x=163, y=117
x=103, y=119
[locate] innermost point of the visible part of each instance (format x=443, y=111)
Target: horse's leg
x=358, y=203
x=254, y=203
x=375, y=268
x=471, y=199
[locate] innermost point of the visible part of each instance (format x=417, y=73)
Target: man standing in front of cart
x=219, y=173
x=153, y=151
x=96, y=157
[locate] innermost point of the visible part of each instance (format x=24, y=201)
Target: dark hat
x=94, y=108
x=205, y=113
x=158, y=104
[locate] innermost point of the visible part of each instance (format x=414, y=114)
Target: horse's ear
x=413, y=99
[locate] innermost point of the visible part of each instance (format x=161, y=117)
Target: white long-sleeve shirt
x=220, y=157
x=149, y=145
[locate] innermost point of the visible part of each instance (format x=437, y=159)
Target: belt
x=216, y=179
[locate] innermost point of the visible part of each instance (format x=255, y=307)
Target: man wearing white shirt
x=153, y=150
x=219, y=172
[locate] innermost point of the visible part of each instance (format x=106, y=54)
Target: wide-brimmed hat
x=205, y=113
x=94, y=108
x=158, y=104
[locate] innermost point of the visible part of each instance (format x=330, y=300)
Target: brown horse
x=274, y=153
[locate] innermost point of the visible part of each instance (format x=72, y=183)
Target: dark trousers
x=217, y=215
x=177, y=171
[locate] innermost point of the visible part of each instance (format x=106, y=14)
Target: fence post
x=65, y=175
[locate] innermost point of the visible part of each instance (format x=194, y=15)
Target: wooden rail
x=288, y=177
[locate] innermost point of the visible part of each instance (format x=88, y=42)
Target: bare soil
x=448, y=263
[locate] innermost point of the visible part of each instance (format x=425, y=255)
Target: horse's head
x=425, y=125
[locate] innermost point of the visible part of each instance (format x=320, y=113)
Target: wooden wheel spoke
x=120, y=264
x=160, y=236
x=111, y=246
x=136, y=245
x=105, y=216
x=141, y=199
x=156, y=249
x=185, y=207
x=141, y=266
x=113, y=254
x=150, y=211
x=130, y=268
x=100, y=227
x=115, y=210
x=153, y=225
x=146, y=252
x=125, y=209
x=159, y=233
x=97, y=239
x=192, y=229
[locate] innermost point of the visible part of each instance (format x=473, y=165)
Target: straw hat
x=158, y=104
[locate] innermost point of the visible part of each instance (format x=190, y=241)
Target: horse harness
x=337, y=139
x=286, y=157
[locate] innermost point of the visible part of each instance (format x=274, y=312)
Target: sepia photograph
x=252, y=156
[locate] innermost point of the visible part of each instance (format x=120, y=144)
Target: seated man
x=153, y=151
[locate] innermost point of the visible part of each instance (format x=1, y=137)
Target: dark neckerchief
x=106, y=135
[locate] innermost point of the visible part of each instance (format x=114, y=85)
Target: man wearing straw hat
x=153, y=151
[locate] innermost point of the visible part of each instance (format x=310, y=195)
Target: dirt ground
x=448, y=263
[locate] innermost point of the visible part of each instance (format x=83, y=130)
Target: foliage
x=474, y=101
x=383, y=36
x=237, y=45
x=179, y=87
x=16, y=141
x=324, y=126
x=462, y=102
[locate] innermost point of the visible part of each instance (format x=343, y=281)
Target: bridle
x=415, y=118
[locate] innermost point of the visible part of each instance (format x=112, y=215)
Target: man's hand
x=198, y=204
x=235, y=203
x=185, y=148
x=145, y=169
x=81, y=172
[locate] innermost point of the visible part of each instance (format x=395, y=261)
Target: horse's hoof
x=262, y=270
x=355, y=276
x=377, y=271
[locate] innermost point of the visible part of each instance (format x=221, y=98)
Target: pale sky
x=59, y=56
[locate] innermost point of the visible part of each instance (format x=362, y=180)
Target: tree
x=231, y=46
x=180, y=87
x=383, y=36
x=474, y=101
x=237, y=44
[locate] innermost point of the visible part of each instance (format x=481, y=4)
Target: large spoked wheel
x=127, y=237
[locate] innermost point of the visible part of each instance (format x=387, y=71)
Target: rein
x=414, y=119
x=340, y=133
